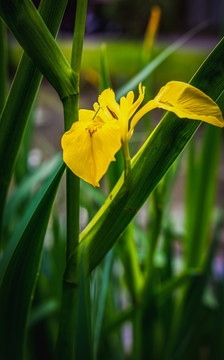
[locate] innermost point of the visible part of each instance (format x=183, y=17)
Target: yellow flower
x=91, y=143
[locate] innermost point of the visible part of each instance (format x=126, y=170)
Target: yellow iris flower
x=91, y=143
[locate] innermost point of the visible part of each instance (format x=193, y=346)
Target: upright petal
x=124, y=117
x=138, y=102
x=88, y=149
x=108, y=103
x=186, y=101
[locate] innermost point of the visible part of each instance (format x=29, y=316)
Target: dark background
x=129, y=17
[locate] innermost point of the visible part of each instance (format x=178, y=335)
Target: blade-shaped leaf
x=44, y=50
x=47, y=173
x=102, y=300
x=18, y=283
x=20, y=101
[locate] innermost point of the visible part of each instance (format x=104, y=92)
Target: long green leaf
x=20, y=101
x=19, y=280
x=32, y=33
x=102, y=301
x=46, y=174
x=148, y=167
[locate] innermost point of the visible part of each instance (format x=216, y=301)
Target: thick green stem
x=71, y=114
x=71, y=107
x=67, y=328
x=3, y=65
x=65, y=345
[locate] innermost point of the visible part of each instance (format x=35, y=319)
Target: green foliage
x=136, y=303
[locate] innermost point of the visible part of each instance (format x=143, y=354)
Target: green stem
x=71, y=114
x=3, y=65
x=71, y=107
x=127, y=158
x=68, y=316
x=65, y=344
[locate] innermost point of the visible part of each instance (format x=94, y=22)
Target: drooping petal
x=106, y=143
x=186, y=101
x=88, y=149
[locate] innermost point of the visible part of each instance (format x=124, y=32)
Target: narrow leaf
x=20, y=100
x=19, y=280
x=102, y=300
x=48, y=174
x=36, y=39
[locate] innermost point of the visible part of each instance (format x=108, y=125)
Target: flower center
x=93, y=128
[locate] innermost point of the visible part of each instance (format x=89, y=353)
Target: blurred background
x=129, y=18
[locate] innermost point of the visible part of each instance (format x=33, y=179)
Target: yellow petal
x=124, y=118
x=130, y=97
x=138, y=102
x=89, y=153
x=108, y=103
x=186, y=101
x=146, y=108
x=86, y=115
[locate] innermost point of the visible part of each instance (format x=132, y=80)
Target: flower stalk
x=127, y=158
